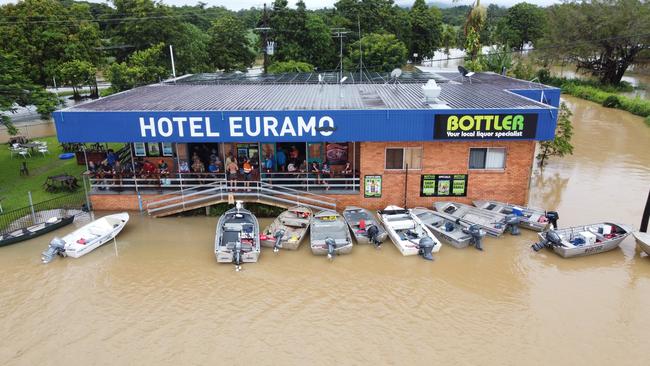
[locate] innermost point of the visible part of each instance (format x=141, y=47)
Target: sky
x=316, y=4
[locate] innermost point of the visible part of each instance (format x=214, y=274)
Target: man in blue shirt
x=281, y=158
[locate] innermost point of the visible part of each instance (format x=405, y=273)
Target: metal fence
x=71, y=204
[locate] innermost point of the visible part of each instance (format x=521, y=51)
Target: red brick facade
x=509, y=185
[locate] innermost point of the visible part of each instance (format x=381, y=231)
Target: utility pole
x=340, y=33
x=360, y=50
x=265, y=30
x=171, y=54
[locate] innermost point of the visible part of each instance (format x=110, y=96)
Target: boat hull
x=328, y=225
x=30, y=234
x=295, y=228
x=353, y=215
x=397, y=221
x=568, y=250
x=75, y=251
x=435, y=221
x=533, y=219
x=492, y=222
x=643, y=240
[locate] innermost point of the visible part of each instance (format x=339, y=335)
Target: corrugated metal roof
x=260, y=97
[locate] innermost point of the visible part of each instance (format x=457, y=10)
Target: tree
x=17, y=90
x=142, y=67
x=603, y=37
x=498, y=59
x=524, y=23
x=229, y=47
x=318, y=43
x=561, y=144
x=448, y=38
x=77, y=74
x=382, y=52
x=191, y=50
x=280, y=67
x=473, y=25
x=374, y=16
x=43, y=33
x=426, y=29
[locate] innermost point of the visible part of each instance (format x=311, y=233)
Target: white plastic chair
x=43, y=150
x=24, y=153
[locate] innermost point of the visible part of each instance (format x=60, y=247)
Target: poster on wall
x=153, y=149
x=443, y=185
x=337, y=154
x=167, y=149
x=491, y=126
x=372, y=186
x=139, y=149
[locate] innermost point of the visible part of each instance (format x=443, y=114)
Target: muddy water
x=163, y=300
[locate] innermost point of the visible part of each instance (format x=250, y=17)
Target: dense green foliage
x=280, y=67
x=603, y=37
x=17, y=90
x=77, y=74
x=142, y=67
x=522, y=23
x=561, y=144
x=229, y=47
x=382, y=52
x=426, y=28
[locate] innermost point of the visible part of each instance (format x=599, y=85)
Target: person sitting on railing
x=213, y=169
x=111, y=157
x=106, y=173
x=347, y=170
x=183, y=167
x=163, y=168
x=316, y=171
x=92, y=169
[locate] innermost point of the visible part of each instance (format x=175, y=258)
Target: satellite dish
x=396, y=73
x=466, y=73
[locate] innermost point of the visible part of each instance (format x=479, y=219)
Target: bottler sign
x=485, y=126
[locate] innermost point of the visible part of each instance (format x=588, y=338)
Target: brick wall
x=509, y=185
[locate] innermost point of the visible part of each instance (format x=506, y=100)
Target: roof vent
x=431, y=91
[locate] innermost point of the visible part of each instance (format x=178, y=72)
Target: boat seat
x=296, y=222
x=402, y=224
x=96, y=231
x=232, y=227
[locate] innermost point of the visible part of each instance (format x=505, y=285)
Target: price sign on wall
x=443, y=185
x=372, y=186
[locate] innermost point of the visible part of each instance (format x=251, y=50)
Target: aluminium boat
x=237, y=238
x=583, y=240
x=530, y=218
x=288, y=229
x=493, y=223
x=87, y=238
x=408, y=233
x=364, y=226
x=33, y=231
x=329, y=234
x=449, y=229
x=643, y=240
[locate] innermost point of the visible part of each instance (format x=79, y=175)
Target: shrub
x=611, y=102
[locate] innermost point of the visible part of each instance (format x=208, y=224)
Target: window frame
x=505, y=158
x=421, y=148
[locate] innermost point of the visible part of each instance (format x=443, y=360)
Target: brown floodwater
x=163, y=299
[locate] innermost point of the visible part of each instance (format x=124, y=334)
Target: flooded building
x=369, y=141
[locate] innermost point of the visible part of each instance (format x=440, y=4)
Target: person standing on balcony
x=248, y=170
x=232, y=169
x=281, y=157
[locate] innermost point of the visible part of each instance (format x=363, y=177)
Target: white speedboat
x=364, y=226
x=643, y=240
x=408, y=233
x=583, y=240
x=237, y=238
x=87, y=238
x=329, y=234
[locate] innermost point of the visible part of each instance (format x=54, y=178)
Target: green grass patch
x=638, y=106
x=14, y=187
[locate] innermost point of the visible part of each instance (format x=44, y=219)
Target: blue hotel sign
x=279, y=126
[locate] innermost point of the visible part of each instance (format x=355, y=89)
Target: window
x=487, y=158
x=398, y=158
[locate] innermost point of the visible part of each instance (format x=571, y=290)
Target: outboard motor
x=551, y=239
x=237, y=257
x=278, y=238
x=426, y=247
x=477, y=235
x=57, y=247
x=512, y=224
x=552, y=217
x=372, y=231
x=331, y=246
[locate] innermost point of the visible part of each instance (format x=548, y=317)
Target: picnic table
x=60, y=182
